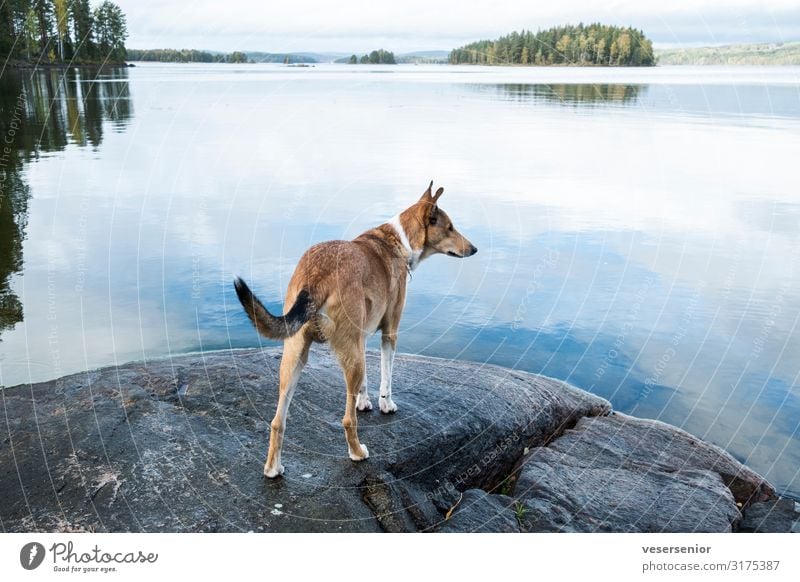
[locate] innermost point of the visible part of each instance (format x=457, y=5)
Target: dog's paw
x=363, y=456
x=388, y=406
x=363, y=402
x=272, y=472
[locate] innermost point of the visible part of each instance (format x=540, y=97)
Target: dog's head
x=433, y=229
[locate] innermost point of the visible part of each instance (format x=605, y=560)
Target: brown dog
x=344, y=291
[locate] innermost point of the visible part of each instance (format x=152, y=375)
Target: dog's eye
x=433, y=220
x=451, y=228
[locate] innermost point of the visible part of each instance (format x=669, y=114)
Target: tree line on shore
x=378, y=57
x=185, y=56
x=62, y=31
x=593, y=44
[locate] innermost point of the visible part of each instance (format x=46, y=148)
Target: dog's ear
x=427, y=194
x=439, y=192
x=433, y=215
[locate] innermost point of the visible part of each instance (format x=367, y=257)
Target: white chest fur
x=413, y=255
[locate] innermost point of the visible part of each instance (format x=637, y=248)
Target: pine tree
x=82, y=23
x=62, y=26
x=43, y=10
x=110, y=31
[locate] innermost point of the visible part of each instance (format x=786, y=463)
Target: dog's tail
x=271, y=326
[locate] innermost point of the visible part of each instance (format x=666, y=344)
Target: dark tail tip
x=239, y=284
x=242, y=291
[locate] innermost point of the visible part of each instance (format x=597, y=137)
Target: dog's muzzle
x=472, y=250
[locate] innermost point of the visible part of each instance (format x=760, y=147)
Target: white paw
x=271, y=473
x=364, y=454
x=363, y=402
x=388, y=406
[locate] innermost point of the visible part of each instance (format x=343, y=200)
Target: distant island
x=62, y=33
x=424, y=58
x=584, y=45
x=185, y=56
x=378, y=57
x=787, y=53
x=285, y=58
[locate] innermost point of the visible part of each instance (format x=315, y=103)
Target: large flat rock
x=179, y=445
x=620, y=473
x=617, y=473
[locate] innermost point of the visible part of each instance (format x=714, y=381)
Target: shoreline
x=23, y=65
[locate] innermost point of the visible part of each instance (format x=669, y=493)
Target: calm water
x=639, y=229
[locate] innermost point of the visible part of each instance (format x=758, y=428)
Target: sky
x=409, y=25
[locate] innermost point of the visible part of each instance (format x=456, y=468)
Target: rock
x=620, y=473
x=621, y=500
x=479, y=511
x=777, y=515
x=179, y=444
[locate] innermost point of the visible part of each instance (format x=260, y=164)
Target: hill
x=736, y=54
x=261, y=57
x=424, y=57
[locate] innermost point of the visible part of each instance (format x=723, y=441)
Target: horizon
x=338, y=53
x=355, y=26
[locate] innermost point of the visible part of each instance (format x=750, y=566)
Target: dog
x=342, y=292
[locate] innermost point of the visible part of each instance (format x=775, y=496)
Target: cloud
x=415, y=24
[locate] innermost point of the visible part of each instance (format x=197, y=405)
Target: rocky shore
x=178, y=445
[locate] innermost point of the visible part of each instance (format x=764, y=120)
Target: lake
x=639, y=229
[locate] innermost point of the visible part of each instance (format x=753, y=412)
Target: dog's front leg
x=363, y=402
x=388, y=346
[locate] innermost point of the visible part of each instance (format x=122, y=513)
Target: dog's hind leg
x=352, y=358
x=363, y=402
x=295, y=356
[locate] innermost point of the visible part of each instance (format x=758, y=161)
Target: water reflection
x=41, y=112
x=569, y=94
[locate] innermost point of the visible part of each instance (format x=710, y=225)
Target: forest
x=378, y=57
x=62, y=31
x=185, y=56
x=593, y=44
